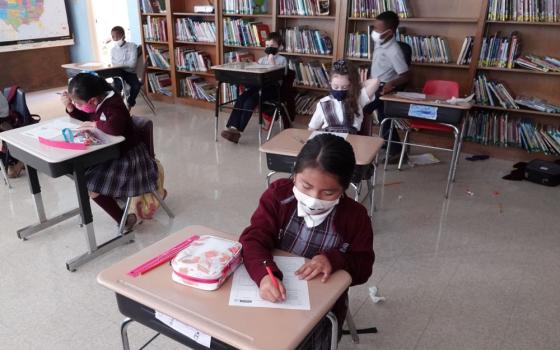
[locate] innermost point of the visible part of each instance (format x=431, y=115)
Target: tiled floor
x=457, y=274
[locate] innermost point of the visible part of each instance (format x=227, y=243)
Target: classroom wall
x=82, y=51
x=134, y=21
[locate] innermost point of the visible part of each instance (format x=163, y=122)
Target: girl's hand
x=87, y=125
x=371, y=86
x=67, y=101
x=271, y=59
x=269, y=292
x=320, y=264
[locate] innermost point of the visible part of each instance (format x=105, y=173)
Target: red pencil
x=269, y=270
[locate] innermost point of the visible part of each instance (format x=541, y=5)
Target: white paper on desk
x=244, y=291
x=90, y=64
x=411, y=95
x=344, y=135
x=50, y=130
x=186, y=330
x=258, y=66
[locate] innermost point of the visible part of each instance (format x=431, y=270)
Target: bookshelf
x=451, y=19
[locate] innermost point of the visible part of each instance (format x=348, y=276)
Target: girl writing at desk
x=92, y=100
x=309, y=215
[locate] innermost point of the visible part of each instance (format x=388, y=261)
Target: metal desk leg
x=268, y=177
x=124, y=333
x=5, y=175
x=217, y=112
x=35, y=188
x=334, y=330
x=371, y=190
x=94, y=250
x=352, y=328
x=451, y=166
x=260, y=116
x=392, y=124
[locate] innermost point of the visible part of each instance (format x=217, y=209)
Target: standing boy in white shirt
x=125, y=53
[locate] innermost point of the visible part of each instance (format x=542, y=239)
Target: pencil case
x=207, y=262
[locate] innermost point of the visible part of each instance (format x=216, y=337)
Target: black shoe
x=395, y=157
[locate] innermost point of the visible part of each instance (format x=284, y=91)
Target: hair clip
x=341, y=66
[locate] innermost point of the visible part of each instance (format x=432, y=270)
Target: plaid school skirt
x=131, y=175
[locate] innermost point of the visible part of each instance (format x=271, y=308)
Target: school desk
x=281, y=152
x=56, y=162
x=432, y=109
x=104, y=70
x=209, y=312
x=247, y=74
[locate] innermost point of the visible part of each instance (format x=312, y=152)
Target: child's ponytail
x=88, y=85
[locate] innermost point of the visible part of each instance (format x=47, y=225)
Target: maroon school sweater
x=276, y=206
x=117, y=120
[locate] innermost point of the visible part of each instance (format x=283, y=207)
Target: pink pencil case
x=207, y=262
x=62, y=144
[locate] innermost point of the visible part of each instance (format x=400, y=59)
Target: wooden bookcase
x=451, y=19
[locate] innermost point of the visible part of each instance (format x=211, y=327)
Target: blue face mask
x=339, y=94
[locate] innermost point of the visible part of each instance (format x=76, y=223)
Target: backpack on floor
x=146, y=205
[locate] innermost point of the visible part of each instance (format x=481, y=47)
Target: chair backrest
x=140, y=64
x=441, y=88
x=407, y=52
x=367, y=125
x=144, y=130
x=288, y=93
x=19, y=104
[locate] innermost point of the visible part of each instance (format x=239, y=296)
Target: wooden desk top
x=91, y=66
x=428, y=101
x=209, y=311
x=248, y=67
x=31, y=145
x=289, y=142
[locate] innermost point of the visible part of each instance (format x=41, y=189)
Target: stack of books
x=364, y=73
x=158, y=57
x=537, y=104
x=359, y=44
x=465, y=56
x=491, y=93
x=195, y=30
x=498, y=129
x=371, y=8
x=306, y=103
x=431, y=49
x=228, y=92
x=192, y=60
x=239, y=32
x=312, y=73
x=536, y=63
x=307, y=41
x=197, y=88
x=238, y=56
x=155, y=29
x=245, y=7
x=304, y=8
x=524, y=10
x=153, y=6
x=499, y=51
x=160, y=83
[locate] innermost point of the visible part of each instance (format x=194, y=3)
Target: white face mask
x=314, y=211
x=119, y=42
x=376, y=37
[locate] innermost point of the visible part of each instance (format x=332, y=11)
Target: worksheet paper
x=244, y=291
x=51, y=130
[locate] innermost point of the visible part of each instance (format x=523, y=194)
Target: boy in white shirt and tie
x=125, y=53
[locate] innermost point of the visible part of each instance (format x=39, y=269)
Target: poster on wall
x=33, y=24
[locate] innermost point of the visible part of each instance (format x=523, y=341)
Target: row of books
x=432, y=49
x=245, y=7
x=312, y=73
x=465, y=55
x=192, y=60
x=364, y=73
x=307, y=41
x=197, y=88
x=306, y=103
x=160, y=83
x=492, y=93
x=158, y=57
x=238, y=56
x=500, y=51
x=153, y=6
x=524, y=10
x=536, y=63
x=155, y=29
x=498, y=129
x=194, y=30
x=229, y=92
x=240, y=32
x=359, y=45
x=372, y=8
x=304, y=7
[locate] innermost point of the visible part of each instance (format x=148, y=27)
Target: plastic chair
x=144, y=129
x=284, y=107
x=444, y=89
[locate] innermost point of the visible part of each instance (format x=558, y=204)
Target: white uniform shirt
x=4, y=107
x=278, y=59
x=318, y=121
x=126, y=55
x=388, y=61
